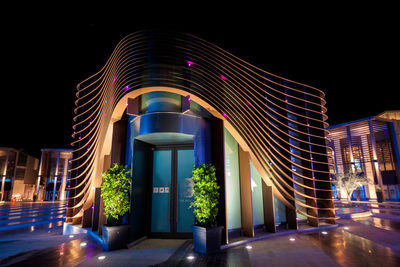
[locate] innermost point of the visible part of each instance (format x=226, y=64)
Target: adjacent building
x=18, y=174
x=370, y=147
x=165, y=102
x=54, y=173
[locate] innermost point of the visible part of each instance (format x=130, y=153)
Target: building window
x=22, y=159
x=20, y=174
x=384, y=154
x=358, y=160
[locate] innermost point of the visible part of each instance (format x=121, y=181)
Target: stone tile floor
x=368, y=241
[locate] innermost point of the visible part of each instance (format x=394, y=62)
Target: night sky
x=350, y=54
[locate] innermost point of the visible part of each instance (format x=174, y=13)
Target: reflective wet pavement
x=369, y=241
x=28, y=216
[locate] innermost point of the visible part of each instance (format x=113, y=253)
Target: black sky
x=349, y=53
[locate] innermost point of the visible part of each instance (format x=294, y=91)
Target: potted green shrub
x=206, y=233
x=115, y=194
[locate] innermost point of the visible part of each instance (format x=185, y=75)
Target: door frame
x=173, y=192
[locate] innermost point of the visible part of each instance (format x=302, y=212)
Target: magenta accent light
x=190, y=63
x=223, y=77
x=126, y=88
x=226, y=116
x=115, y=78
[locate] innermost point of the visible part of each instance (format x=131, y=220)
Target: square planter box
x=115, y=237
x=207, y=240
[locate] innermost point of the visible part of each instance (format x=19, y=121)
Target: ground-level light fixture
x=71, y=236
x=292, y=239
x=190, y=257
x=83, y=244
x=346, y=228
x=101, y=257
x=324, y=232
x=249, y=247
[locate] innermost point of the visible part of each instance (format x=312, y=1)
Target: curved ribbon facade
x=279, y=122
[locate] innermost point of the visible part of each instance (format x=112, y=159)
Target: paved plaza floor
x=364, y=241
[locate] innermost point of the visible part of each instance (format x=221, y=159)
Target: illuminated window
x=384, y=154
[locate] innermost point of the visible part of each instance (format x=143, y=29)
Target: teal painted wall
x=256, y=194
x=232, y=182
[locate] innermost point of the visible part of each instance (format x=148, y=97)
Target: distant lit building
x=53, y=177
x=18, y=174
x=369, y=146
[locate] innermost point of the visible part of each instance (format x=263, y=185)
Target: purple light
x=223, y=77
x=189, y=99
x=247, y=102
x=92, y=207
x=190, y=63
x=126, y=88
x=225, y=116
x=115, y=78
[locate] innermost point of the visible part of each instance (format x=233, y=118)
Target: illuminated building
x=164, y=102
x=370, y=147
x=18, y=174
x=53, y=176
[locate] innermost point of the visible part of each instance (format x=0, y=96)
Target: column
x=3, y=181
x=352, y=167
x=55, y=177
x=39, y=174
x=350, y=148
x=375, y=158
x=64, y=180
x=268, y=205
x=245, y=193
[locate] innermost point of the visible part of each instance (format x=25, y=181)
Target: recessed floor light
x=71, y=236
x=83, y=244
x=292, y=239
x=346, y=228
x=190, y=257
x=101, y=257
x=324, y=232
x=249, y=247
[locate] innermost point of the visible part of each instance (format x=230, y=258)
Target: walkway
x=367, y=241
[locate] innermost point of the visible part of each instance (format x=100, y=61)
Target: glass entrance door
x=185, y=217
x=172, y=191
x=161, y=199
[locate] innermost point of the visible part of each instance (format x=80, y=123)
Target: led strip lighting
x=280, y=122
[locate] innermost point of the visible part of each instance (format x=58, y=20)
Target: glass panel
x=233, y=209
x=161, y=191
x=185, y=160
x=280, y=211
x=256, y=195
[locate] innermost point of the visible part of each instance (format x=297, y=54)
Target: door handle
x=177, y=204
x=169, y=203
